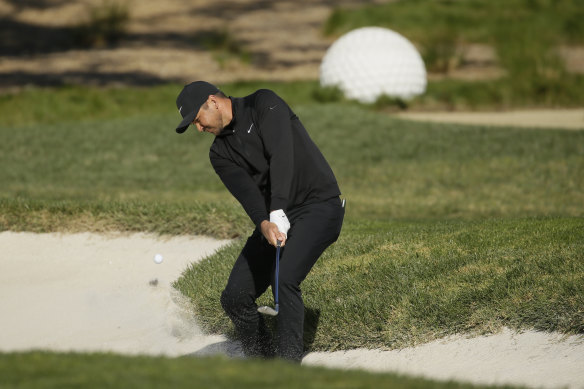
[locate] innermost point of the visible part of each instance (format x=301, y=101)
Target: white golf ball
x=369, y=62
x=158, y=258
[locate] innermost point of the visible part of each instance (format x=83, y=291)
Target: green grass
x=55, y=370
x=398, y=169
x=449, y=229
x=391, y=284
x=506, y=93
x=76, y=103
x=474, y=20
x=135, y=173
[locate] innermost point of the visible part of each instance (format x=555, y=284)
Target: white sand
x=88, y=292
x=531, y=358
x=570, y=119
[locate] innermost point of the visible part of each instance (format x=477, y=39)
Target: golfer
x=266, y=159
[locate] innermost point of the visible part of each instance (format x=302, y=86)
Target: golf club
x=264, y=308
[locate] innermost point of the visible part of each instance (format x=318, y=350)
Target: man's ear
x=212, y=101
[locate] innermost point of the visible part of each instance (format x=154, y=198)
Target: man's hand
x=272, y=233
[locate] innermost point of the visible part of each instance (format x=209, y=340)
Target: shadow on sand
x=232, y=348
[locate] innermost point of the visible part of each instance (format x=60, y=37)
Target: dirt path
x=164, y=42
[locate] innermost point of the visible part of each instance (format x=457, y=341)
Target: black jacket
x=267, y=160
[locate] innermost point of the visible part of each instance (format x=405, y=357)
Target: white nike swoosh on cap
x=249, y=130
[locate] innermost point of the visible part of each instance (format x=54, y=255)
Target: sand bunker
x=89, y=292
x=568, y=119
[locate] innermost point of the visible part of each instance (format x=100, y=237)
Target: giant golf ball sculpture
x=369, y=62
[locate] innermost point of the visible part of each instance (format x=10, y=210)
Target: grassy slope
x=135, y=174
x=475, y=21
x=53, y=370
x=388, y=284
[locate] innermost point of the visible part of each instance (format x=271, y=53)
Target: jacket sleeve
x=274, y=123
x=242, y=187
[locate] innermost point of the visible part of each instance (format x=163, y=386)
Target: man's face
x=209, y=118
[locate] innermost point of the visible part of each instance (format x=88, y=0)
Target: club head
x=267, y=310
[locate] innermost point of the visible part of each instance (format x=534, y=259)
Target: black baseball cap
x=190, y=99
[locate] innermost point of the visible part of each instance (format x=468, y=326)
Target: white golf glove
x=279, y=218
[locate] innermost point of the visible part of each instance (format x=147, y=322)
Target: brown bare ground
x=163, y=42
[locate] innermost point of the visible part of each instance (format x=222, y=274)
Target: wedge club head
x=264, y=309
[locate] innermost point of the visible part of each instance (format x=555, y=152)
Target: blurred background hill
x=494, y=54
x=56, y=42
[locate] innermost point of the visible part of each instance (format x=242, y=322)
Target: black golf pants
x=314, y=227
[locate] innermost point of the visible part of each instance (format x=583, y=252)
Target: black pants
x=314, y=227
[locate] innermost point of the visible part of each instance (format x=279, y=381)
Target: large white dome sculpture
x=369, y=62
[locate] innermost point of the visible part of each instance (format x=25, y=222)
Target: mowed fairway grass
x=449, y=229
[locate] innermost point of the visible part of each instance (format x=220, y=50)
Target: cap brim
x=184, y=124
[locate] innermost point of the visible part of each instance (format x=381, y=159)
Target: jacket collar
x=236, y=107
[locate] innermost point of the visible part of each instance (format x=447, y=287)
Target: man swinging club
x=266, y=159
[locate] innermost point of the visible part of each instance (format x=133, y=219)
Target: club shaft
x=277, y=274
